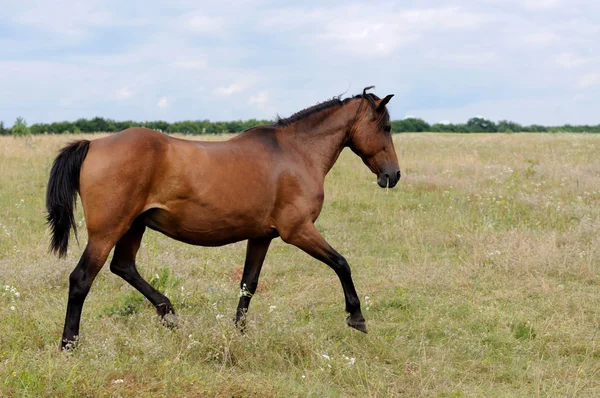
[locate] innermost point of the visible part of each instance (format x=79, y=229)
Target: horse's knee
x=341, y=266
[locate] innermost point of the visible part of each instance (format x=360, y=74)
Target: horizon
x=267, y=121
x=530, y=61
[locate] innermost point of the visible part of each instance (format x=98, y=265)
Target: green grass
x=481, y=269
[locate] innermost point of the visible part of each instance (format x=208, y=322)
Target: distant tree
x=20, y=127
x=62, y=127
x=159, y=125
x=506, y=126
x=120, y=126
x=536, y=128
x=100, y=124
x=481, y=125
x=410, y=125
x=84, y=125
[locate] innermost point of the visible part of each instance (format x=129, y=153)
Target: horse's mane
x=382, y=119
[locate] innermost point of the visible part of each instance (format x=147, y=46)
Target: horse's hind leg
x=80, y=282
x=123, y=264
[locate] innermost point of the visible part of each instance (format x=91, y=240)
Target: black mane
x=334, y=102
x=304, y=113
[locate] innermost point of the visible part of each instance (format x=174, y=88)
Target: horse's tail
x=61, y=194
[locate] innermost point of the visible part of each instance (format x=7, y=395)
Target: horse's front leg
x=256, y=252
x=310, y=241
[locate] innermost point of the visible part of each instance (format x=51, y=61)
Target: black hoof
x=167, y=315
x=357, y=322
x=163, y=309
x=240, y=324
x=170, y=320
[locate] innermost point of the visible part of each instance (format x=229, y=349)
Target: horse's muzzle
x=388, y=178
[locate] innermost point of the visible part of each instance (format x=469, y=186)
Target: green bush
x=20, y=127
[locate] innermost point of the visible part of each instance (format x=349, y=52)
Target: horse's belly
x=206, y=228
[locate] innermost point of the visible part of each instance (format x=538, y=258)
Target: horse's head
x=371, y=138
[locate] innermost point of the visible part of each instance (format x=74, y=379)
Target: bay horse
x=265, y=182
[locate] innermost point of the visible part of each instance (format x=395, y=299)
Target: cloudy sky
x=531, y=61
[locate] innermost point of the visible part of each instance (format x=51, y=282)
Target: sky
x=529, y=61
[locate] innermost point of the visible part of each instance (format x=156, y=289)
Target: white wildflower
x=244, y=292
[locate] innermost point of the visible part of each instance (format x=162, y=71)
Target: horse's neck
x=321, y=143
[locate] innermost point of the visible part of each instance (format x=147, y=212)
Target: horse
x=263, y=183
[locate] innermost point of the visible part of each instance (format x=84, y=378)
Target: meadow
x=478, y=275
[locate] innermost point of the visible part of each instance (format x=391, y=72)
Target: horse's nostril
x=387, y=176
x=398, y=175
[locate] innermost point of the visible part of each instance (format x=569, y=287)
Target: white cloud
x=203, y=24
x=570, y=60
x=260, y=100
x=465, y=59
x=163, y=103
x=124, y=93
x=440, y=60
x=368, y=29
x=589, y=80
x=543, y=37
x=72, y=21
x=442, y=18
x=536, y=5
x=190, y=63
x=233, y=88
x=367, y=40
x=541, y=4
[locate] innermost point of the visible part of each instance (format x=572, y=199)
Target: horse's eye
x=387, y=129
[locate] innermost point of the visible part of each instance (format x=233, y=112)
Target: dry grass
x=481, y=269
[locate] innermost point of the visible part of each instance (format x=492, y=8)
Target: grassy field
x=479, y=276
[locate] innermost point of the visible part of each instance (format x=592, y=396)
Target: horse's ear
x=384, y=102
x=366, y=89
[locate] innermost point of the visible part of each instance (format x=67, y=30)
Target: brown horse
x=263, y=183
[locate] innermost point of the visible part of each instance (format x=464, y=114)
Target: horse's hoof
x=170, y=320
x=240, y=325
x=357, y=323
x=66, y=345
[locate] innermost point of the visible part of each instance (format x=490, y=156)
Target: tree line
x=407, y=125
x=481, y=125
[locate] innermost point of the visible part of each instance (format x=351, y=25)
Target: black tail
x=61, y=195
